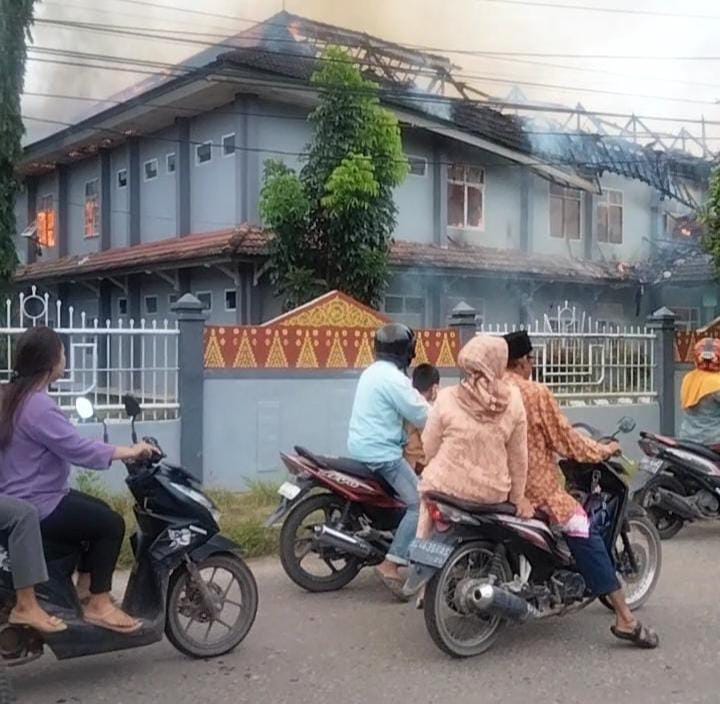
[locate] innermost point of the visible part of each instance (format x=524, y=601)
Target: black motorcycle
x=678, y=482
x=187, y=580
x=484, y=566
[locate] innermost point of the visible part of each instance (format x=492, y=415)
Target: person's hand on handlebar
x=139, y=451
x=613, y=449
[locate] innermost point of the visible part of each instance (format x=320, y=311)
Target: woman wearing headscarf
x=701, y=395
x=475, y=439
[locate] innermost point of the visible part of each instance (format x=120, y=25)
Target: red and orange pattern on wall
x=685, y=341
x=333, y=332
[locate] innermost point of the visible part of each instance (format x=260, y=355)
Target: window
x=151, y=305
x=409, y=310
x=122, y=306
x=92, y=209
x=205, y=297
x=230, y=299
x=151, y=169
x=173, y=298
x=610, y=217
x=46, y=222
x=565, y=209
x=203, y=153
x=170, y=163
x=122, y=178
x=686, y=318
x=228, y=145
x=466, y=196
x=418, y=165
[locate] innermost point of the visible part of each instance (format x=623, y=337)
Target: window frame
x=172, y=302
x=207, y=143
x=687, y=325
x=417, y=159
x=120, y=301
x=96, y=210
x=233, y=291
x=465, y=184
x=607, y=205
x=198, y=295
x=118, y=185
x=223, y=153
x=581, y=212
x=45, y=221
x=147, y=178
x=147, y=298
x=169, y=171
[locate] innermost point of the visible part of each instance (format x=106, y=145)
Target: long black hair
x=37, y=353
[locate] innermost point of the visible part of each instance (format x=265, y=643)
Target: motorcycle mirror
x=132, y=406
x=84, y=408
x=626, y=425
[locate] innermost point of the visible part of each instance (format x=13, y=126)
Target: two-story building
x=158, y=195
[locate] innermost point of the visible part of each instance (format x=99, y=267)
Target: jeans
x=594, y=564
x=401, y=477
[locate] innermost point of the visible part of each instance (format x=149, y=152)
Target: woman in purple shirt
x=38, y=444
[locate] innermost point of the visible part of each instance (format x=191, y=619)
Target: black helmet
x=395, y=343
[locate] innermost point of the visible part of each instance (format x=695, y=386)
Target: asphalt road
x=358, y=646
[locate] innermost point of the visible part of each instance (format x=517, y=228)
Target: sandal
x=54, y=624
x=394, y=585
x=641, y=636
x=102, y=622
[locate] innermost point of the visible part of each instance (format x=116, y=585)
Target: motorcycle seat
x=346, y=466
x=698, y=449
x=470, y=506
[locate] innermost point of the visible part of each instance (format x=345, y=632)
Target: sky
x=660, y=59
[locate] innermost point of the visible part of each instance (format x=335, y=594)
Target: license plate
x=651, y=466
x=289, y=490
x=430, y=552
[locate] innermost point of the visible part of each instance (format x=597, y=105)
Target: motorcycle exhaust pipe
x=329, y=537
x=673, y=503
x=486, y=599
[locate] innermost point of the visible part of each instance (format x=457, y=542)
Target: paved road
x=357, y=646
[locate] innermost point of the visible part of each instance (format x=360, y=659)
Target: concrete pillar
x=31, y=185
x=439, y=171
x=589, y=224
x=63, y=231
x=526, y=210
x=663, y=323
x=134, y=181
x=191, y=362
x=105, y=200
x=182, y=178
x=462, y=319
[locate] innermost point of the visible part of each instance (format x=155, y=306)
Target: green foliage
x=710, y=217
x=15, y=20
x=334, y=220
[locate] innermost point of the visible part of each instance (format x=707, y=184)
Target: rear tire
x=7, y=695
x=329, y=505
x=440, y=591
x=667, y=524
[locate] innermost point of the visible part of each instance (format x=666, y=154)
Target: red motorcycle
x=338, y=518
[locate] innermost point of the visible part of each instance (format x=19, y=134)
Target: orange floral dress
x=550, y=434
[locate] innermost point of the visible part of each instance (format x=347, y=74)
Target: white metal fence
x=104, y=361
x=591, y=362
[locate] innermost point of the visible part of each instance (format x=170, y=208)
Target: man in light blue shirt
x=384, y=400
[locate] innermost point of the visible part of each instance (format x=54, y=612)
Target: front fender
x=217, y=544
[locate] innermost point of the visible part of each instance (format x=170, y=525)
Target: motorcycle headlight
x=198, y=498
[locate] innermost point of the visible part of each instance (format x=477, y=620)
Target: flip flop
x=394, y=585
x=641, y=636
x=100, y=622
x=55, y=625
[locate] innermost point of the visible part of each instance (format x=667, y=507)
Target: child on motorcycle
x=426, y=380
x=384, y=401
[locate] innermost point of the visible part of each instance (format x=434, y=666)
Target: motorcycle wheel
x=297, y=555
x=7, y=695
x=457, y=634
x=237, y=589
x=647, y=548
x=668, y=525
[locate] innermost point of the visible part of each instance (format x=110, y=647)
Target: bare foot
x=37, y=618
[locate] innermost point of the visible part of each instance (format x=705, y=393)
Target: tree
x=16, y=17
x=710, y=217
x=333, y=221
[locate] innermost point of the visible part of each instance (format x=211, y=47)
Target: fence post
x=662, y=321
x=191, y=364
x=462, y=318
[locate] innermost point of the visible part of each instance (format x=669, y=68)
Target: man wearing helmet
x=384, y=401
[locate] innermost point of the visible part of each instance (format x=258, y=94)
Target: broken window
x=417, y=165
x=466, y=196
x=46, y=222
x=228, y=145
x=92, y=209
x=610, y=217
x=151, y=169
x=565, y=210
x=203, y=153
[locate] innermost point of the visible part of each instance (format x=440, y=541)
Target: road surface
x=358, y=646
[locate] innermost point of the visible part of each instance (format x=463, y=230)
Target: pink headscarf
x=484, y=360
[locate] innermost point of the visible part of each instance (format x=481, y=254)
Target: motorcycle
x=338, y=517
x=680, y=482
x=187, y=580
x=484, y=566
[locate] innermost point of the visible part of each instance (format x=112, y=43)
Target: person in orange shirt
x=426, y=380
